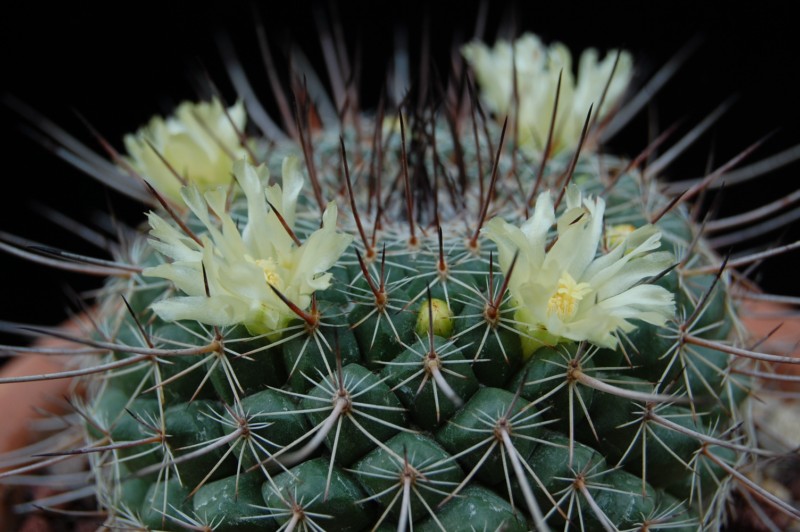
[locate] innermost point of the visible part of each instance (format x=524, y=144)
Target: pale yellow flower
x=569, y=292
x=538, y=67
x=199, y=142
x=241, y=266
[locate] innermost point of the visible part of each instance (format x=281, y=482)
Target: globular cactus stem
x=458, y=313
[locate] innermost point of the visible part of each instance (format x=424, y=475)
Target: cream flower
x=199, y=142
x=241, y=266
x=538, y=67
x=569, y=291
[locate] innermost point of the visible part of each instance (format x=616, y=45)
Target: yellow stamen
x=270, y=267
x=567, y=296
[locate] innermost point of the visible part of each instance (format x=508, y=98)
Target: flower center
x=271, y=275
x=564, y=302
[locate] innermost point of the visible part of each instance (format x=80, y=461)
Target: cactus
x=427, y=313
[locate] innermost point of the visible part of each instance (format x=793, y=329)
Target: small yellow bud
x=440, y=316
x=616, y=234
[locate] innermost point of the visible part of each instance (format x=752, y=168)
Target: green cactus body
x=403, y=424
x=329, y=400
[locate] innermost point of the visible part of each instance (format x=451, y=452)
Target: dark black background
x=118, y=67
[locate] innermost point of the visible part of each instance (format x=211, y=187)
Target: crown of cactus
x=428, y=319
